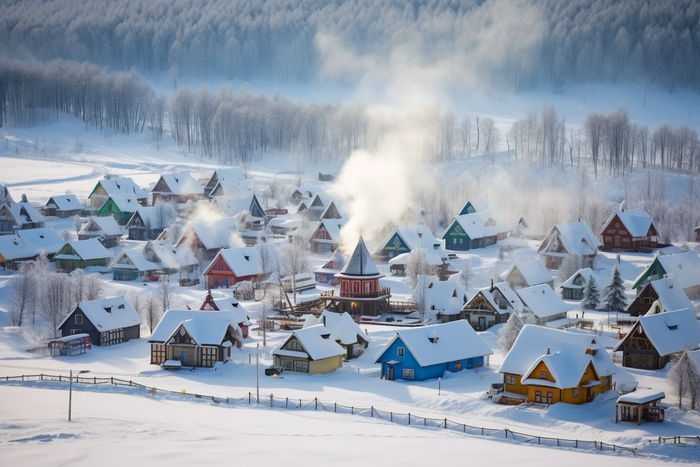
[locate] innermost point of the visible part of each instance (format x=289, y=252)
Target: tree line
x=577, y=41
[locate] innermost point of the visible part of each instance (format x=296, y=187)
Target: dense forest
x=547, y=41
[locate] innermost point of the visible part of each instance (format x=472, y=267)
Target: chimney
x=491, y=289
x=549, y=350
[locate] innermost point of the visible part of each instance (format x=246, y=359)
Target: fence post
x=112, y=379
x=335, y=407
x=371, y=411
x=391, y=416
x=409, y=418
x=506, y=433
x=445, y=423
x=538, y=440
x=576, y=443
x=286, y=402
x=316, y=402
x=248, y=398
x=352, y=410
x=272, y=399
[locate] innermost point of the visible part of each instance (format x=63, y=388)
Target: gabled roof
x=30, y=242
x=181, y=183
x=636, y=221
x=533, y=272
x=86, y=250
x=24, y=213
x=586, y=274
x=331, y=212
x=542, y=300
x=229, y=181
x=101, y=226
x=333, y=227
x=576, y=238
x=342, y=327
x=306, y=192
x=333, y=265
x=120, y=186
x=360, y=263
x=414, y=236
x=231, y=206
x=135, y=261
x=125, y=203
x=316, y=347
x=108, y=313
x=238, y=311
x=684, y=267
x=448, y=296
x=212, y=234
x=155, y=217
x=671, y=295
x=475, y=205
x=669, y=332
x=170, y=256
x=241, y=261
x=455, y=341
x=479, y=225
x=500, y=293
x=207, y=328
x=65, y=202
x=534, y=343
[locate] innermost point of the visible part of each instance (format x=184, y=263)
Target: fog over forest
x=89, y=59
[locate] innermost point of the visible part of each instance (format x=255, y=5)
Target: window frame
x=408, y=373
x=400, y=351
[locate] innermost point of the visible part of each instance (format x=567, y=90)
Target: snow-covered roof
x=133, y=259
x=669, y=332
x=440, y=343
x=533, y=272
x=445, y=296
x=181, y=183
x=213, y=234
x=154, y=217
x=232, y=205
x=564, y=350
x=480, y=224
x=586, y=274
x=108, y=313
x=576, y=238
x=502, y=290
x=316, y=347
x=65, y=202
x=101, y=226
x=414, y=236
x=334, y=264
x=478, y=205
x=233, y=306
x=122, y=186
x=671, y=294
x=360, y=263
x=287, y=221
x=86, y=250
x=207, y=328
x=432, y=256
x=126, y=203
x=333, y=227
x=642, y=396
x=307, y=191
x=24, y=213
x=636, y=221
x=243, y=261
x=683, y=267
x=341, y=326
x=542, y=300
x=230, y=181
x=30, y=242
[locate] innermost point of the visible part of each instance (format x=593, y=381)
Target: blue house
x=427, y=352
x=108, y=321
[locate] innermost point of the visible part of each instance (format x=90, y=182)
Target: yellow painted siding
x=517, y=388
x=542, y=367
x=327, y=365
x=532, y=393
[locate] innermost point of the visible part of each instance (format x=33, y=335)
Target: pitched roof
x=230, y=181
x=170, y=256
x=205, y=327
x=154, y=217
x=86, y=249
x=480, y=224
x=533, y=272
x=65, y=202
x=455, y=341
x=133, y=259
x=125, y=203
x=636, y=221
x=341, y=326
x=233, y=205
x=333, y=227
x=180, y=183
x=101, y=226
x=684, y=267
x=671, y=294
x=360, y=263
x=121, y=186
x=448, y=296
x=243, y=261
x=316, y=347
x=542, y=300
x=108, y=313
x=30, y=242
x=414, y=236
x=564, y=352
x=24, y=213
x=669, y=332
x=586, y=274
x=500, y=293
x=213, y=234
x=576, y=238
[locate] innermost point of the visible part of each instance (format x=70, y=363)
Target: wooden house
x=226, y=182
x=63, y=206
x=475, y=205
x=360, y=291
x=132, y=265
x=176, y=187
x=189, y=338
x=108, y=321
x=631, y=230
x=121, y=207
x=246, y=208
x=326, y=237
x=310, y=350
x=525, y=229
x=527, y=274
x=564, y=240
x=318, y=205
x=284, y=225
x=547, y=366
x=234, y=265
x=475, y=230
x=104, y=229
x=573, y=287
x=656, y=336
x=642, y=404
x=232, y=306
x=304, y=193
x=27, y=245
x=111, y=186
x=548, y=307
x=410, y=216
x=490, y=306
x=20, y=216
x=444, y=299
x=405, y=239
x=429, y=351
x=326, y=274
x=683, y=267
x=668, y=292
x=206, y=239
x=81, y=254
x=148, y=222
x=5, y=196
x=344, y=330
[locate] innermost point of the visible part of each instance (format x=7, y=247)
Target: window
x=400, y=351
x=301, y=366
x=550, y=397
x=408, y=374
x=510, y=379
x=75, y=331
x=458, y=366
x=78, y=319
x=543, y=375
x=538, y=396
x=157, y=353
x=575, y=392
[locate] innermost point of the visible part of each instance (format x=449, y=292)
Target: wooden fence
x=408, y=419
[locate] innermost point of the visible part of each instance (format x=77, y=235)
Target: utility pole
x=257, y=374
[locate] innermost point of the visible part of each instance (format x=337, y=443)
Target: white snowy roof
x=669, y=332
x=24, y=213
x=238, y=312
x=30, y=242
x=432, y=256
x=542, y=300
x=671, y=294
x=288, y=221
x=205, y=327
x=213, y=234
x=231, y=180
x=308, y=191
x=126, y=203
x=480, y=224
x=586, y=273
x=641, y=396
x=101, y=226
x=456, y=340
x=576, y=238
x=360, y=263
x=108, y=313
x=446, y=296
x=684, y=267
x=87, y=249
x=533, y=272
x=316, y=347
x=341, y=326
x=636, y=221
x=479, y=204
x=502, y=288
x=170, y=256
x=65, y=202
x=242, y=261
x=234, y=204
x=181, y=183
x=414, y=236
x=567, y=354
x=122, y=186
x=152, y=216
x=333, y=227
x=133, y=259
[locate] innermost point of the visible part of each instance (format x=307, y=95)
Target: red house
x=233, y=265
x=631, y=230
x=232, y=306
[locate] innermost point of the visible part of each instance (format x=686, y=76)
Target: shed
x=642, y=404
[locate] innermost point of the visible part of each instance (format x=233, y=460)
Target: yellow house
x=310, y=350
x=549, y=365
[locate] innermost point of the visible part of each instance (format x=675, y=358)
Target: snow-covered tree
x=418, y=264
x=614, y=298
x=510, y=331
x=684, y=378
x=569, y=266
x=295, y=260
x=591, y=296
x=23, y=295
x=465, y=275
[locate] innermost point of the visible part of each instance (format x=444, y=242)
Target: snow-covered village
x=259, y=236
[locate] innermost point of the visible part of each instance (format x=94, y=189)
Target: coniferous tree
x=614, y=293
x=591, y=296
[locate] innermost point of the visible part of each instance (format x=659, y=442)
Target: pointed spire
x=360, y=263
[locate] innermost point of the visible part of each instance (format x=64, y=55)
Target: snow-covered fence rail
x=678, y=439
x=408, y=419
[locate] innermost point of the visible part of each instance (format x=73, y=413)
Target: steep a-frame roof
x=120, y=186
x=360, y=263
x=637, y=222
x=669, y=332
x=685, y=268
x=181, y=183
x=576, y=238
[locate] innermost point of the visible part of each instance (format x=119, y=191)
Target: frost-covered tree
x=614, y=298
x=23, y=295
x=684, y=378
x=465, y=275
x=55, y=299
x=295, y=260
x=591, y=296
x=418, y=264
x=569, y=266
x=511, y=330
